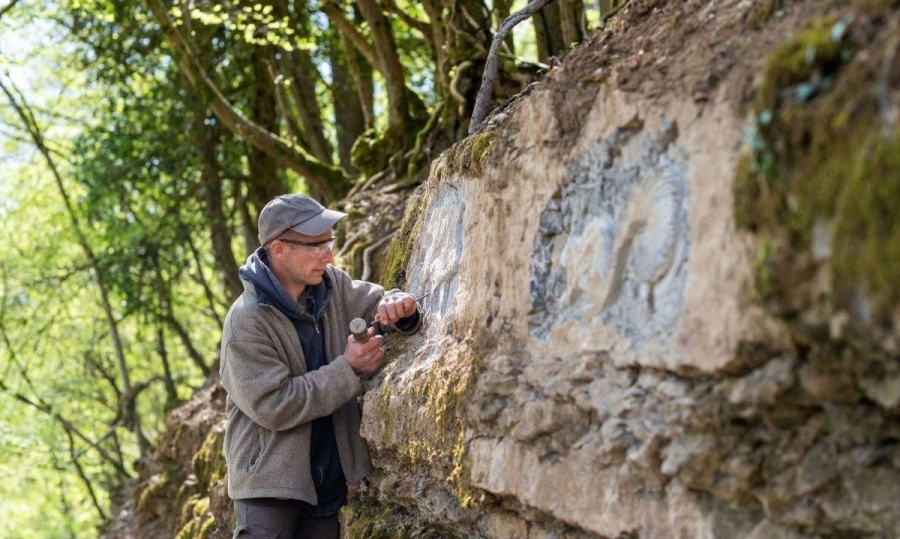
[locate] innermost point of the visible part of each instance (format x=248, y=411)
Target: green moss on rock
x=404, y=241
x=160, y=485
x=369, y=519
x=821, y=177
x=817, y=51
x=196, y=520
x=155, y=487
x=209, y=461
x=373, y=150
x=760, y=12
x=187, y=510
x=370, y=153
x=201, y=507
x=365, y=523
x=469, y=156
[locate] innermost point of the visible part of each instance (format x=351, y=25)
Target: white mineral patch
x=434, y=266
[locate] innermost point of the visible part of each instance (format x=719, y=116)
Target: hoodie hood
x=270, y=291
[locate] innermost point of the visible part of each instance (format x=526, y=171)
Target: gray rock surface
x=596, y=361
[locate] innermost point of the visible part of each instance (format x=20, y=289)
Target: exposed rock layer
x=600, y=359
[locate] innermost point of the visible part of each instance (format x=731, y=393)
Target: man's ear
x=276, y=249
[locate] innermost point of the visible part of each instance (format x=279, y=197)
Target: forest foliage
x=140, y=140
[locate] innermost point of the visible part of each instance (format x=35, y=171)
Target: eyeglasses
x=318, y=249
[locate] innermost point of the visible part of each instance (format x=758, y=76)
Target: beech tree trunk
x=549, y=34
x=349, y=115
x=462, y=37
x=298, y=66
x=570, y=14
x=265, y=182
x=389, y=62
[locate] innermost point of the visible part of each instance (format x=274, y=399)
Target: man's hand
x=365, y=358
x=394, y=307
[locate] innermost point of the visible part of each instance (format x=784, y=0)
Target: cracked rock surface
x=596, y=360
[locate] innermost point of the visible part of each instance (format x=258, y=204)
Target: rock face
x=601, y=357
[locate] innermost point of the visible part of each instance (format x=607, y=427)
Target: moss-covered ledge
x=820, y=177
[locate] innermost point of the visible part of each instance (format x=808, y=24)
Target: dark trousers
x=283, y=523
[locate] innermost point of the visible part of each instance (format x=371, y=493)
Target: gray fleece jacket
x=272, y=399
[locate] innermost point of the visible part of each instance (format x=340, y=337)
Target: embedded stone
x=763, y=386
x=829, y=386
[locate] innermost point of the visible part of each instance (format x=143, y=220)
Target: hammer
x=360, y=329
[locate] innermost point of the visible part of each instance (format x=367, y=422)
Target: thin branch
x=281, y=101
x=13, y=355
x=522, y=61
x=83, y=476
x=8, y=7
x=198, y=277
x=66, y=508
x=65, y=423
x=112, y=429
x=492, y=64
x=182, y=333
x=25, y=139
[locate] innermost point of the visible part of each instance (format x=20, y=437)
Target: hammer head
x=359, y=329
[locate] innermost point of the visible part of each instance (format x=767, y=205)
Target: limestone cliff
x=609, y=351
x=661, y=296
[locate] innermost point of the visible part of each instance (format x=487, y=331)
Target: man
x=291, y=372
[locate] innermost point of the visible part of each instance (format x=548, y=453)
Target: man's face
x=302, y=264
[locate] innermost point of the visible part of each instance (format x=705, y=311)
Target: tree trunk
x=350, y=32
x=361, y=73
x=548, y=32
x=303, y=77
x=462, y=37
x=389, y=62
x=265, y=182
x=502, y=10
x=302, y=73
x=349, y=116
x=248, y=220
x=208, y=140
x=570, y=13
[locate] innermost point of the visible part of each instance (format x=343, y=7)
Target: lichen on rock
x=821, y=171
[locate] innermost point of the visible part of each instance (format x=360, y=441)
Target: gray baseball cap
x=298, y=213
